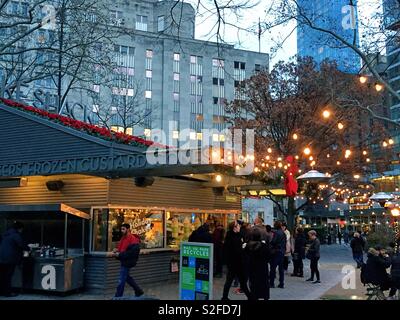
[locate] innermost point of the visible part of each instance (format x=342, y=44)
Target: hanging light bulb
x=378, y=87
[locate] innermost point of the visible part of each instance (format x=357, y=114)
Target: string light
x=340, y=126
x=391, y=141
x=311, y=158
x=365, y=153
x=307, y=151
x=218, y=178
x=378, y=87
x=368, y=160
x=295, y=136
x=326, y=114
x=363, y=79
x=384, y=143
x=328, y=155
x=269, y=150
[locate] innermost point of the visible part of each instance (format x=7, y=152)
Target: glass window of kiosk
x=148, y=224
x=179, y=226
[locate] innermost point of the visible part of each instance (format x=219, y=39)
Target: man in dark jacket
x=375, y=270
x=278, y=246
x=233, y=252
x=299, y=253
x=357, y=246
x=11, y=252
x=202, y=234
x=128, y=253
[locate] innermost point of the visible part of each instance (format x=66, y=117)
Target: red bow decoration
x=291, y=184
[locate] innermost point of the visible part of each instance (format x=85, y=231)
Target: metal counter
x=57, y=274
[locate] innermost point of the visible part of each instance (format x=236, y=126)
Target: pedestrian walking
x=218, y=240
x=278, y=249
x=259, y=255
x=128, y=253
x=339, y=235
x=313, y=254
x=375, y=269
x=299, y=252
x=233, y=252
x=346, y=237
x=12, y=248
x=357, y=246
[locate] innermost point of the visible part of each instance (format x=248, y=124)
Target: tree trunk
x=291, y=215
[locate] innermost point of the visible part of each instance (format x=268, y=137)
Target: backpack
x=130, y=257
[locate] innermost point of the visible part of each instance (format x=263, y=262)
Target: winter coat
x=201, y=235
x=300, y=245
x=233, y=250
x=357, y=245
x=259, y=255
x=375, y=269
x=130, y=256
x=218, y=237
x=12, y=247
x=395, y=271
x=278, y=242
x=263, y=231
x=314, y=249
x=127, y=240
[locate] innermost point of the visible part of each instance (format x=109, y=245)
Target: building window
x=176, y=96
x=192, y=135
x=149, y=53
x=176, y=76
x=160, y=24
x=141, y=23
x=175, y=134
x=149, y=74
x=257, y=68
x=116, y=17
x=177, y=56
x=147, y=94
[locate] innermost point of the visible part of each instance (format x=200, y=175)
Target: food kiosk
x=54, y=262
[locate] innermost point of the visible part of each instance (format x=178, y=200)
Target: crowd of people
x=253, y=255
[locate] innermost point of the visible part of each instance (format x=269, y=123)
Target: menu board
x=196, y=271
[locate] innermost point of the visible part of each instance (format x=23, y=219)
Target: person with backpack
x=357, y=246
x=127, y=253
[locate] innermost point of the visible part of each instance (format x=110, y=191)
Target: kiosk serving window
x=179, y=226
x=147, y=223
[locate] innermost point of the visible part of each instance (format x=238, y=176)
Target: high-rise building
x=334, y=15
x=183, y=82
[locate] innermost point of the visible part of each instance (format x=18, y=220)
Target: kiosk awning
x=40, y=208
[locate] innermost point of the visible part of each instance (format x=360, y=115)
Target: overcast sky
x=249, y=20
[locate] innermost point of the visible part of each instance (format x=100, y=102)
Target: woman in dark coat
x=259, y=255
x=299, y=252
x=395, y=275
x=233, y=252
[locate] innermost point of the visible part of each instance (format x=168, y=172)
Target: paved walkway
x=333, y=259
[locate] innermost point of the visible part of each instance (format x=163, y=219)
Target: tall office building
x=184, y=82
x=334, y=15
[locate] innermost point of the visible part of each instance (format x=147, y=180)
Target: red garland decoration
x=291, y=184
x=83, y=126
